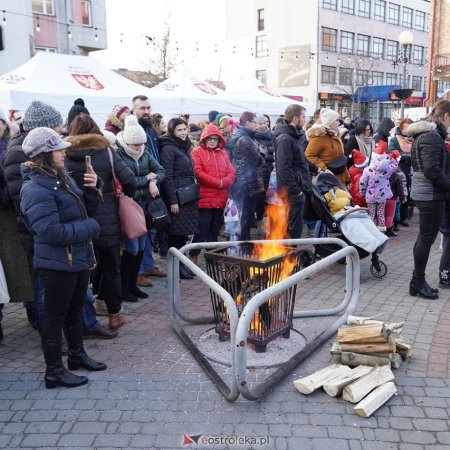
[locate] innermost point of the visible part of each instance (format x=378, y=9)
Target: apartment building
x=74, y=27
x=335, y=53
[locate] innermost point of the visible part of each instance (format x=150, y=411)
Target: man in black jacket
x=292, y=167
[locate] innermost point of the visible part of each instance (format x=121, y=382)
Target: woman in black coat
x=176, y=159
x=87, y=140
x=430, y=189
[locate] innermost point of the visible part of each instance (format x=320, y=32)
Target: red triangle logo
x=187, y=440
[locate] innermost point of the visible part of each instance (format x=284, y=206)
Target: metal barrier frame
x=239, y=325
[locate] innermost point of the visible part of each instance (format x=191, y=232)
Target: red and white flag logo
x=88, y=81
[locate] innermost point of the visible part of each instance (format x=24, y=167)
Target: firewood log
x=378, y=397
x=309, y=384
x=335, y=387
x=362, y=334
x=355, y=359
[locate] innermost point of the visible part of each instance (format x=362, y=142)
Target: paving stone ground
x=154, y=391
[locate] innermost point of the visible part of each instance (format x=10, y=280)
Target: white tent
x=264, y=100
x=60, y=79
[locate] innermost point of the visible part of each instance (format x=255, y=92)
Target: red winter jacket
x=211, y=168
x=355, y=175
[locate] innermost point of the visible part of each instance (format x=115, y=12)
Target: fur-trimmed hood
x=87, y=141
x=422, y=126
x=113, y=120
x=317, y=130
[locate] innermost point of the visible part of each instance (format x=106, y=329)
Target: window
x=329, y=74
x=440, y=86
x=379, y=10
x=391, y=78
x=329, y=39
x=364, y=8
x=417, y=56
x=406, y=83
x=347, y=39
x=376, y=78
x=348, y=6
x=362, y=77
x=44, y=49
x=392, y=50
x=416, y=83
x=425, y=80
x=261, y=46
x=362, y=45
x=329, y=4
x=345, y=76
x=43, y=7
x=260, y=19
x=394, y=13
x=407, y=19
x=420, y=21
x=86, y=13
x=262, y=76
x=378, y=47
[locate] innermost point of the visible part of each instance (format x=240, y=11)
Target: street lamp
x=405, y=39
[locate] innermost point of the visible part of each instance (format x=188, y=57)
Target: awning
x=375, y=93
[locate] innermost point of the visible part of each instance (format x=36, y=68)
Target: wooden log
x=396, y=362
x=362, y=334
x=356, y=320
x=309, y=384
x=382, y=347
x=355, y=359
x=359, y=389
x=335, y=387
x=404, y=349
x=394, y=328
x=378, y=397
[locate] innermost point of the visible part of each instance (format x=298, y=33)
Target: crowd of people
x=59, y=197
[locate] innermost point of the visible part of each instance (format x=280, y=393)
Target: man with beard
x=142, y=109
x=292, y=167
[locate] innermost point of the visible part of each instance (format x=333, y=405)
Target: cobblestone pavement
x=154, y=391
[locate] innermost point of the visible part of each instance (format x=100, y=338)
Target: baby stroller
x=327, y=223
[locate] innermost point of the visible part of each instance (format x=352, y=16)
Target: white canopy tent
x=60, y=79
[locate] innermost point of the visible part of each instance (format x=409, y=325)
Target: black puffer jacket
x=177, y=161
x=292, y=166
x=107, y=210
x=429, y=159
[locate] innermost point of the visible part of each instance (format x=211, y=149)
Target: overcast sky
x=191, y=22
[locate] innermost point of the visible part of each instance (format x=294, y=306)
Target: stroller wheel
x=378, y=269
x=306, y=258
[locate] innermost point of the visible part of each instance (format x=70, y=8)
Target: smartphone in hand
x=87, y=162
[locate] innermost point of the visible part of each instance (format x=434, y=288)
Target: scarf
x=331, y=132
x=365, y=144
x=405, y=143
x=131, y=152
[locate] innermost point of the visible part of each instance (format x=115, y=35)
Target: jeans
x=65, y=295
x=135, y=245
x=147, y=260
x=430, y=218
x=88, y=314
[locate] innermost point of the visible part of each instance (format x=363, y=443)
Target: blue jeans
x=147, y=260
x=88, y=315
x=135, y=245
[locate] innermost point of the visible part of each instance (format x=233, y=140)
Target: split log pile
x=368, y=350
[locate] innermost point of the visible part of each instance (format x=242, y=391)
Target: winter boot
x=77, y=356
x=56, y=374
x=444, y=279
x=134, y=273
x=116, y=321
x=125, y=271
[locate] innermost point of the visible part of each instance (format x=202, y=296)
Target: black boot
x=125, y=271
x=424, y=291
x=134, y=272
x=390, y=232
x=56, y=374
x=444, y=279
x=396, y=227
x=77, y=355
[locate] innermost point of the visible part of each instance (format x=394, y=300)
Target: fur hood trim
x=115, y=121
x=317, y=130
x=87, y=141
x=422, y=126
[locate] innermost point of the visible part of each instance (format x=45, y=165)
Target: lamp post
x=405, y=39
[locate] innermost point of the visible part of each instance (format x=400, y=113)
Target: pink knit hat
x=118, y=110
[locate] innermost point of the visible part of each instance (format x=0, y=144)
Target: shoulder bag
x=131, y=215
x=158, y=213
x=189, y=193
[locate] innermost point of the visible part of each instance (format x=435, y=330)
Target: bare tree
x=355, y=74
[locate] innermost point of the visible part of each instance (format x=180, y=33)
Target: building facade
x=74, y=27
x=329, y=52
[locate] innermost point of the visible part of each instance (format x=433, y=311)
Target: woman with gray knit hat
x=56, y=209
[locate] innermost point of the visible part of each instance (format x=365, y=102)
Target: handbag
x=188, y=194
x=131, y=215
x=231, y=211
x=158, y=213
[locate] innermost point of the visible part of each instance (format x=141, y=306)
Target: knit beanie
x=40, y=114
x=328, y=116
x=133, y=133
x=260, y=118
x=77, y=109
x=219, y=118
x=212, y=116
x=360, y=159
x=43, y=140
x=118, y=110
